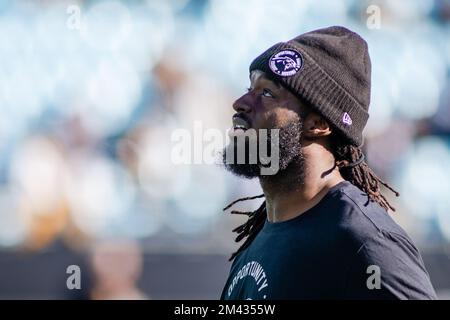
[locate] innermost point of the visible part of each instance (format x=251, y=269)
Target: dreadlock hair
x=251, y=228
x=350, y=161
x=347, y=155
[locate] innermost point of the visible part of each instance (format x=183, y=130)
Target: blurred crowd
x=91, y=91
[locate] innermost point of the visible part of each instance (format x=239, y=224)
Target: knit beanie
x=329, y=69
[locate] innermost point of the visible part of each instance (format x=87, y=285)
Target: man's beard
x=290, y=155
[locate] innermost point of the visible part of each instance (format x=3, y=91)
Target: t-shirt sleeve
x=388, y=266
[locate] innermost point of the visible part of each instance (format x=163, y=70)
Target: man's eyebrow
x=275, y=82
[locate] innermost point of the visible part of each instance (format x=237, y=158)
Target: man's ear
x=315, y=126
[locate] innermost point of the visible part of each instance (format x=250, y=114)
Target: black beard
x=290, y=151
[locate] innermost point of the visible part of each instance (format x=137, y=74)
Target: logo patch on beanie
x=346, y=119
x=286, y=63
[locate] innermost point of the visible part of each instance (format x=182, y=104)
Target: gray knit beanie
x=328, y=68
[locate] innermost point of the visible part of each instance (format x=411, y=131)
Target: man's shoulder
x=375, y=239
x=361, y=218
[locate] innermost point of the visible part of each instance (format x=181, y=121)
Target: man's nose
x=240, y=105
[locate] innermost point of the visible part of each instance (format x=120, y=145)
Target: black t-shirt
x=345, y=247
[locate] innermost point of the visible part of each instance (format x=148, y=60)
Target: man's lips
x=240, y=123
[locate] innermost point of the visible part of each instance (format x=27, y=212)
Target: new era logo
x=346, y=119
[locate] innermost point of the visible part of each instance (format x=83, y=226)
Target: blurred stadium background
x=90, y=92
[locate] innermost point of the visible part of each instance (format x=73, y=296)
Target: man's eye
x=267, y=93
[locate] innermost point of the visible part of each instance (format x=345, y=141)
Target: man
x=323, y=231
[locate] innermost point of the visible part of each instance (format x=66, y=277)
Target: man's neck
x=287, y=197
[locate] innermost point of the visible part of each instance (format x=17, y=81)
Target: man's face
x=267, y=105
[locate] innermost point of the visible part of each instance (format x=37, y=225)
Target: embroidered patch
x=346, y=119
x=286, y=63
